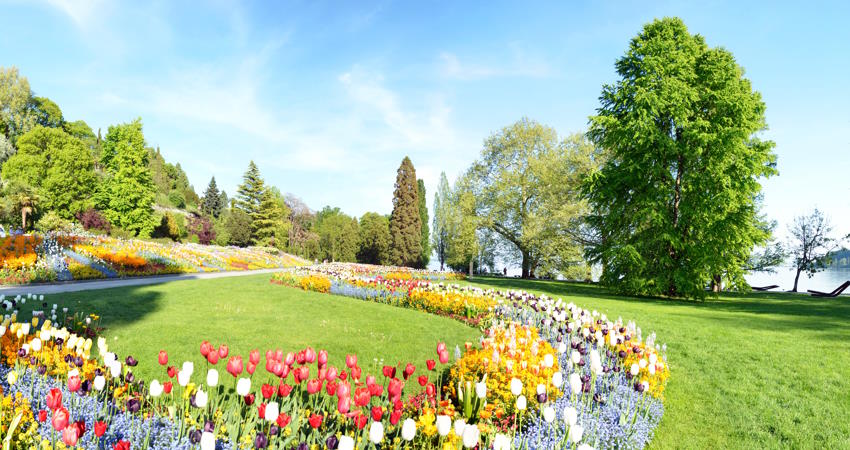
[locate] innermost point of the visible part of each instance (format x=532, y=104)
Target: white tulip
x=201, y=399
x=444, y=425
x=212, y=378
x=272, y=411
x=575, y=433
x=345, y=443
x=541, y=389
x=183, y=378
x=35, y=344
x=115, y=369
x=516, y=386
x=570, y=416
x=501, y=442
x=207, y=441
x=521, y=403
x=99, y=382
x=471, y=435
x=575, y=383
x=584, y=447
x=548, y=414
x=557, y=379
x=481, y=389
x=562, y=348
x=243, y=386
x=408, y=429
x=653, y=358
x=189, y=367
x=642, y=363
x=376, y=432
x=108, y=358
x=155, y=388
x=575, y=357
x=652, y=369
x=635, y=369
x=548, y=360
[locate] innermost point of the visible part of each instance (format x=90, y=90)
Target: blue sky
x=327, y=98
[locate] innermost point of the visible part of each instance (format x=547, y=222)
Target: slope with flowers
x=65, y=257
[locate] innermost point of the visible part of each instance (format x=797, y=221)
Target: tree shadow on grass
x=802, y=311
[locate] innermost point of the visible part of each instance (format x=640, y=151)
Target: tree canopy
x=405, y=221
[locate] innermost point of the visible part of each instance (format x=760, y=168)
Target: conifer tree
x=249, y=195
x=405, y=223
x=212, y=200
x=267, y=225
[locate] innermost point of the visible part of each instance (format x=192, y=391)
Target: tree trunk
x=526, y=265
x=23, y=220
x=796, y=278
x=716, y=283
x=471, y=260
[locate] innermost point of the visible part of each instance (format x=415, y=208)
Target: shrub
x=91, y=219
x=167, y=228
x=52, y=222
x=203, y=228
x=176, y=199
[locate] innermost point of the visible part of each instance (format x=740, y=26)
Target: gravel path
x=74, y=286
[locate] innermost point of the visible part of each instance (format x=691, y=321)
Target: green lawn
x=747, y=371
x=249, y=312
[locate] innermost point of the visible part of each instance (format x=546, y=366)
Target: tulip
x=501, y=442
x=315, y=421
x=516, y=386
x=166, y=387
x=155, y=388
x=570, y=416
x=575, y=433
x=201, y=399
x=250, y=368
x=345, y=443
x=471, y=435
x=222, y=351
x=481, y=389
x=189, y=367
x=323, y=357
x=183, y=378
x=350, y=361
x=99, y=428
x=70, y=436
x=444, y=425
x=267, y=390
x=575, y=383
x=74, y=383
x=261, y=441
x=60, y=419
x=54, y=398
x=521, y=403
x=408, y=429
x=557, y=379
x=243, y=386
x=408, y=370
x=42, y=415
x=283, y=420
x=444, y=357
x=234, y=366
x=332, y=374
x=431, y=364
x=99, y=382
x=12, y=377
x=376, y=432
x=163, y=357
x=207, y=441
x=272, y=411
x=377, y=413
x=206, y=347
x=548, y=414
x=254, y=357
x=314, y=386
x=343, y=405
x=635, y=369
x=212, y=378
x=213, y=358
x=423, y=380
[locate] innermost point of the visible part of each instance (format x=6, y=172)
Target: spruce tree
x=268, y=221
x=405, y=223
x=212, y=200
x=249, y=195
x=423, y=220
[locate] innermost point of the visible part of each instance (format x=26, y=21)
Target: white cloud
x=516, y=63
x=80, y=11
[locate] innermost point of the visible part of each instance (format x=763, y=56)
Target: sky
x=327, y=98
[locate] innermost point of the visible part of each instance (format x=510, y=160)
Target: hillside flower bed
x=41, y=258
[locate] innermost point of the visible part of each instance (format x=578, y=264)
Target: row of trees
x=663, y=192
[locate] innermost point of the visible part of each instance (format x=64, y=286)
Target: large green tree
x=249, y=194
x=16, y=112
x=47, y=112
x=405, y=221
x=423, y=221
x=58, y=166
x=212, y=205
x=127, y=195
x=270, y=226
x=463, y=225
x=527, y=189
x=339, y=235
x=675, y=206
x=374, y=239
x=442, y=214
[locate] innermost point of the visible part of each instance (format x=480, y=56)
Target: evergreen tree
x=127, y=196
x=212, y=200
x=442, y=215
x=249, y=195
x=423, y=220
x=374, y=239
x=405, y=222
x=267, y=227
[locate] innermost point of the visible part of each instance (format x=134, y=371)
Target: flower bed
x=545, y=374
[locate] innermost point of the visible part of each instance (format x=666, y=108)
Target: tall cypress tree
x=212, y=200
x=405, y=223
x=423, y=220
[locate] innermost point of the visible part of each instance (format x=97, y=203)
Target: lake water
x=825, y=281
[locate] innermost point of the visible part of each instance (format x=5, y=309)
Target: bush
x=176, y=199
x=91, y=219
x=167, y=228
x=52, y=222
x=239, y=226
x=203, y=228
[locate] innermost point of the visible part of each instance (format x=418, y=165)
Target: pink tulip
x=323, y=357
x=74, y=383
x=290, y=358
x=69, y=435
x=350, y=361
x=332, y=374
x=309, y=355
x=344, y=404
x=222, y=351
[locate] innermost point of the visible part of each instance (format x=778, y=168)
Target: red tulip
x=361, y=421
x=277, y=368
x=121, y=445
x=54, y=399
x=370, y=380
x=315, y=421
x=423, y=380
x=278, y=355
x=375, y=390
x=431, y=364
x=60, y=419
x=350, y=361
x=267, y=391
x=283, y=389
x=398, y=405
x=166, y=387
x=74, y=383
x=261, y=410
x=309, y=355
x=70, y=436
x=269, y=355
x=343, y=375
x=163, y=357
x=323, y=372
x=254, y=357
x=250, y=368
x=300, y=357
x=355, y=372
x=42, y=415
x=362, y=397
x=441, y=347
x=81, y=427
x=323, y=357
x=395, y=417
x=389, y=371
x=408, y=370
x=343, y=405
x=377, y=413
x=343, y=390
x=283, y=420
x=206, y=348
x=284, y=370
x=431, y=390
x=99, y=428
x=222, y=351
x=249, y=399
x=301, y=373
x=172, y=371
x=314, y=386
x=394, y=388
x=290, y=358
x=331, y=387
x=332, y=374
x=444, y=357
x=234, y=366
x=212, y=358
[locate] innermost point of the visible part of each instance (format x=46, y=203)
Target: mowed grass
x=755, y=371
x=249, y=312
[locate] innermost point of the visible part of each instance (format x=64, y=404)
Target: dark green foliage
x=167, y=228
x=675, y=207
x=213, y=202
x=338, y=235
x=249, y=195
x=238, y=225
x=171, y=182
x=374, y=240
x=47, y=113
x=176, y=199
x=423, y=220
x=405, y=222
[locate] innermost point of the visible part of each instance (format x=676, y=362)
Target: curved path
x=73, y=286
